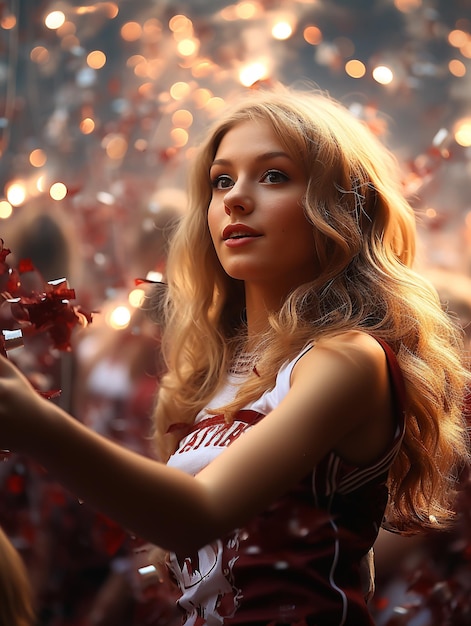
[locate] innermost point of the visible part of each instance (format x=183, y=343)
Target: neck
x=258, y=306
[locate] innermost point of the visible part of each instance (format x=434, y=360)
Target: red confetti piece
x=25, y=265
x=45, y=309
x=4, y=252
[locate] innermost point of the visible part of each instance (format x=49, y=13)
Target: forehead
x=249, y=135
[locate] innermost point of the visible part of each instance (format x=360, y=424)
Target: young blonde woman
x=314, y=385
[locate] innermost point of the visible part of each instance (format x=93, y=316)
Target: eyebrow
x=260, y=157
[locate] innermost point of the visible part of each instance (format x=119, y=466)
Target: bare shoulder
x=350, y=370
x=353, y=351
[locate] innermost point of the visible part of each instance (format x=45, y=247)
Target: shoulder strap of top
x=395, y=373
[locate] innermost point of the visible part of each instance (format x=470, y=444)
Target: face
x=255, y=217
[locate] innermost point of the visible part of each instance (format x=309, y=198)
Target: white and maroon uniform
x=298, y=561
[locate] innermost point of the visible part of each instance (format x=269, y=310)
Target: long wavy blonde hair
x=16, y=595
x=364, y=236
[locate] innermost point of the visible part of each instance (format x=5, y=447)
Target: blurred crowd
x=83, y=570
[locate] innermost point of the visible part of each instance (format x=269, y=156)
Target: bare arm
x=339, y=388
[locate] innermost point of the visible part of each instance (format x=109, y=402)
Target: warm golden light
x=179, y=90
x=405, y=6
x=182, y=118
x=141, y=145
x=187, y=47
x=58, y=191
x=134, y=60
x=457, y=38
x=5, y=209
x=111, y=9
x=312, y=35
x=37, y=157
x=465, y=49
x=180, y=24
x=202, y=68
x=131, y=31
x=244, y=10
x=179, y=137
x=247, y=10
x=252, y=73
x=201, y=97
x=282, y=30
x=96, y=59
x=115, y=146
x=355, y=68
x=214, y=105
x=8, y=22
x=16, y=193
x=119, y=317
x=462, y=132
x=39, y=54
x=383, y=75
x=229, y=13
x=145, y=90
x=87, y=126
x=54, y=20
x=41, y=184
x=136, y=297
x=457, y=68
x=141, y=69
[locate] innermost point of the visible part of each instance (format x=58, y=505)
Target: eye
x=274, y=177
x=222, y=182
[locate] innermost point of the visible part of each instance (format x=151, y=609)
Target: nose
x=237, y=200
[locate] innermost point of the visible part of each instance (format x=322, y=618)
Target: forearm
x=160, y=504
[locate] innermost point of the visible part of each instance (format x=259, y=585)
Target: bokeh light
x=37, y=157
x=252, y=73
x=355, y=68
x=54, y=20
x=313, y=35
x=96, y=59
x=383, y=75
x=136, y=297
x=58, y=191
x=8, y=21
x=462, y=132
x=282, y=30
x=6, y=209
x=131, y=31
x=119, y=317
x=16, y=193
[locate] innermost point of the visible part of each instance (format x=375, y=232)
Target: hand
x=153, y=558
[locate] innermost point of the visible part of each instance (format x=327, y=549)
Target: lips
x=238, y=231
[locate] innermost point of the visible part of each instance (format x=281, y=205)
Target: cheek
x=214, y=224
x=211, y=219
x=296, y=225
